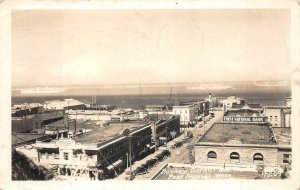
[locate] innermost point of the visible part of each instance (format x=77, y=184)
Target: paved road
x=180, y=155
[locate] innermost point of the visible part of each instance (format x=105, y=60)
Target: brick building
x=166, y=127
x=240, y=145
x=100, y=153
x=236, y=143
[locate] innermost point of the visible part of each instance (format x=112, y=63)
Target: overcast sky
x=149, y=46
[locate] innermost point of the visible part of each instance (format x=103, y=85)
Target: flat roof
x=245, y=133
x=80, y=124
x=22, y=137
x=242, y=113
x=108, y=132
x=283, y=135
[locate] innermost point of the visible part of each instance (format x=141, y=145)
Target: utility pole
x=130, y=153
x=154, y=136
x=204, y=117
x=166, y=135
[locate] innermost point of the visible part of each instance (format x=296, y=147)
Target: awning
x=152, y=147
x=116, y=164
x=143, y=151
x=162, y=138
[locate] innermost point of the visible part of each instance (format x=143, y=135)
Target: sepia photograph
x=114, y=95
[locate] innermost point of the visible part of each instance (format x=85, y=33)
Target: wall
x=21, y=125
x=246, y=154
x=272, y=113
x=187, y=113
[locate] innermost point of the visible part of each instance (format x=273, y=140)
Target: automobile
x=145, y=166
x=160, y=157
x=166, y=153
x=178, y=144
x=151, y=162
x=140, y=170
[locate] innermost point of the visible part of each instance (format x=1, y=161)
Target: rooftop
x=244, y=133
x=80, y=124
x=21, y=137
x=242, y=113
x=108, y=132
x=277, y=107
x=47, y=116
x=246, y=106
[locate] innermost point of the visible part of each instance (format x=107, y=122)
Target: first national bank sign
x=244, y=119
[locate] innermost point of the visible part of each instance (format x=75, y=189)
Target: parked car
x=166, y=153
x=140, y=170
x=160, y=157
x=151, y=162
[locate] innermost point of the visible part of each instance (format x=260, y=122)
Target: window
x=276, y=118
x=276, y=124
x=211, y=156
x=66, y=156
x=286, y=158
x=258, y=158
x=234, y=157
x=271, y=118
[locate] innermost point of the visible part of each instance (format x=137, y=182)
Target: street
x=180, y=154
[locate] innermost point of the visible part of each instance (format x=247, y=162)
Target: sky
x=80, y=47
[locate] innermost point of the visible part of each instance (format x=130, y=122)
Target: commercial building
x=100, y=153
x=166, y=127
x=238, y=144
x=230, y=101
x=278, y=116
x=187, y=113
x=244, y=116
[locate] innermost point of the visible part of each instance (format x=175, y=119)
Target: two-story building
x=165, y=128
x=100, y=153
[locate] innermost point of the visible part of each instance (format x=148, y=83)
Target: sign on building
x=244, y=119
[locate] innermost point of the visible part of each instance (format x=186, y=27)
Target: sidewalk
x=159, y=164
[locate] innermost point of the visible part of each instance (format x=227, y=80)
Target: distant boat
x=270, y=84
x=41, y=90
x=209, y=87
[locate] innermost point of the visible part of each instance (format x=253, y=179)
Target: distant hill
x=23, y=168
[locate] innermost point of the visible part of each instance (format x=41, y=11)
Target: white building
x=230, y=101
x=187, y=113
x=63, y=104
x=278, y=116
